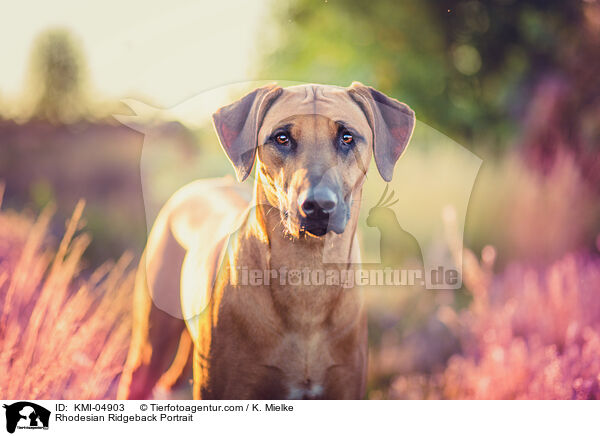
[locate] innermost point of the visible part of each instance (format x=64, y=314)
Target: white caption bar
x=23, y=417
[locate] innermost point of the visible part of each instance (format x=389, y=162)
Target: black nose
x=317, y=202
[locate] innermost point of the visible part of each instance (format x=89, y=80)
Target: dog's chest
x=304, y=358
x=308, y=347
x=305, y=308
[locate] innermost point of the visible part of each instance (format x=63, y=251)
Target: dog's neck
x=304, y=307
x=308, y=251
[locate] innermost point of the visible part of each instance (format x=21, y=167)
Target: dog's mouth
x=322, y=224
x=315, y=227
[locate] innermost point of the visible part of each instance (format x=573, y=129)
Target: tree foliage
x=464, y=66
x=57, y=77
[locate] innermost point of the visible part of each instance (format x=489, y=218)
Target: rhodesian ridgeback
x=312, y=145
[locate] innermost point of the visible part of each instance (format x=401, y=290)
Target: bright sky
x=167, y=51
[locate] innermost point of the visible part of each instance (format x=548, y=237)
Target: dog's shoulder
x=186, y=236
x=206, y=209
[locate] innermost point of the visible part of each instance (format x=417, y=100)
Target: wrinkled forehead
x=329, y=101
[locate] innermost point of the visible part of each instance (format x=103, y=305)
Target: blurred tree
x=58, y=77
x=464, y=66
x=563, y=116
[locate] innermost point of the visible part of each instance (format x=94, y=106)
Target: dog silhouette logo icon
x=26, y=415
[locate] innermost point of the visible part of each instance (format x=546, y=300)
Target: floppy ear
x=392, y=124
x=237, y=126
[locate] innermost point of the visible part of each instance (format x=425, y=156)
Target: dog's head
x=314, y=146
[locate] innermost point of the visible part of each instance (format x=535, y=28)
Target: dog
x=312, y=145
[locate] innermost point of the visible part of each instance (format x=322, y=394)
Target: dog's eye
x=347, y=138
x=282, y=138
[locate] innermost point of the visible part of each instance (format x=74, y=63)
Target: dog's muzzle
x=319, y=212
